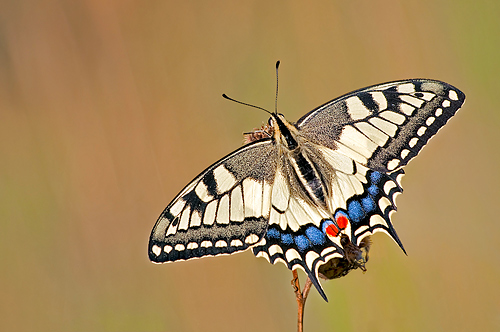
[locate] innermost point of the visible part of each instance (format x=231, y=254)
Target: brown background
x=108, y=108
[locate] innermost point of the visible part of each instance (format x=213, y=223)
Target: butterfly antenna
x=242, y=103
x=276, y=100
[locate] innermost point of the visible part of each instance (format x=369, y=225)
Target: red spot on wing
x=342, y=221
x=332, y=230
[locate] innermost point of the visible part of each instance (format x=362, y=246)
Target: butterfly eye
x=270, y=121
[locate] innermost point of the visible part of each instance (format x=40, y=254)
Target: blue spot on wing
x=355, y=211
x=373, y=190
x=302, y=242
x=273, y=233
x=286, y=239
x=325, y=225
x=375, y=177
x=368, y=204
x=340, y=214
x=315, y=235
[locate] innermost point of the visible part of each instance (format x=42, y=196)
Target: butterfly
x=309, y=194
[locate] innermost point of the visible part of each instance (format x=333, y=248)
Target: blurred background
x=108, y=108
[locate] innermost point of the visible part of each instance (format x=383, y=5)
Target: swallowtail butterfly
x=312, y=192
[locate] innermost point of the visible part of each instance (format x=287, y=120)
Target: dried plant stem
x=301, y=296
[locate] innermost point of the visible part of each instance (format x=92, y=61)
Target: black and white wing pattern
x=224, y=210
x=312, y=189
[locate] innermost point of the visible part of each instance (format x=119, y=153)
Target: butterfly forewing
x=384, y=126
x=222, y=211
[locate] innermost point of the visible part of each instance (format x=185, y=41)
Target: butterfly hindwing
x=369, y=202
x=371, y=211
x=220, y=212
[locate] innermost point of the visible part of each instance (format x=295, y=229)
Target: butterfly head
x=284, y=132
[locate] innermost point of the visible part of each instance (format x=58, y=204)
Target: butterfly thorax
x=299, y=166
x=285, y=134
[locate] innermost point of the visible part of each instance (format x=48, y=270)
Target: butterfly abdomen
x=309, y=177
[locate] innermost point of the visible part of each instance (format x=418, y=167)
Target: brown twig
x=301, y=296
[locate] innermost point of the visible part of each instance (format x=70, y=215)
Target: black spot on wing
x=167, y=215
x=193, y=201
x=209, y=181
x=391, y=96
x=417, y=84
x=368, y=101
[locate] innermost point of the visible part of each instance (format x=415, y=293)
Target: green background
x=108, y=108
